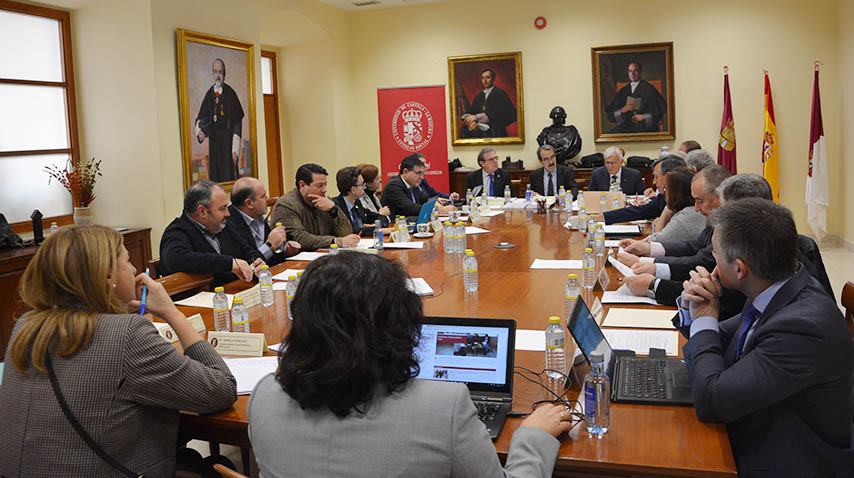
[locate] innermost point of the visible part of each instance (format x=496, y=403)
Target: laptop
x=477, y=352
x=426, y=210
x=647, y=380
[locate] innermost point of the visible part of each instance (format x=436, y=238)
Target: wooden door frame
x=275, y=81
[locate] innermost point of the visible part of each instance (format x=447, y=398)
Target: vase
x=82, y=216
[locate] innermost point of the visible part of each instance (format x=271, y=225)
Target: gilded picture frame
x=479, y=118
x=216, y=92
x=644, y=111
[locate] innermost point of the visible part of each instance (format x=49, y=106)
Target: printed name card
x=169, y=335
x=604, y=280
x=496, y=202
x=234, y=343
x=484, y=208
x=251, y=296
x=474, y=215
x=395, y=236
x=437, y=226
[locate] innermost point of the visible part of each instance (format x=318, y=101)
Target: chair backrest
x=848, y=303
x=182, y=282
x=270, y=203
x=154, y=268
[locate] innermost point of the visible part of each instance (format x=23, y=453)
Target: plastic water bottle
x=561, y=197
x=470, y=271
x=239, y=316
x=282, y=245
x=597, y=397
x=53, y=227
x=378, y=235
x=299, y=278
x=461, y=237
x=615, y=203
x=581, y=200
x=265, y=280
x=556, y=356
x=507, y=194
x=665, y=151
x=222, y=319
x=529, y=194
x=403, y=229
x=589, y=271
x=599, y=241
x=469, y=197
x=582, y=216
x=333, y=249
x=290, y=292
x=571, y=293
x=603, y=202
x=446, y=237
x=591, y=223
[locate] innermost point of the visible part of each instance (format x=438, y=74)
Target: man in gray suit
x=779, y=373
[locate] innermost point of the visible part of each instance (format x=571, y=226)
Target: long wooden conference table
x=644, y=440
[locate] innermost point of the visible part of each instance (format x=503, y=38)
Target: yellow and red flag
x=770, y=158
x=726, y=141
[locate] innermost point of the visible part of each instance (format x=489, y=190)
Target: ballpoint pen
x=144, y=294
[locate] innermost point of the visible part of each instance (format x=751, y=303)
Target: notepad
x=249, y=371
x=623, y=229
x=203, y=299
x=556, y=264
x=306, y=256
x=639, y=318
x=640, y=341
x=624, y=295
x=419, y=286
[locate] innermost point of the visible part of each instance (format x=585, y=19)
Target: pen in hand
x=144, y=294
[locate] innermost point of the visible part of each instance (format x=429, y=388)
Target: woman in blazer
x=686, y=223
x=122, y=382
x=345, y=402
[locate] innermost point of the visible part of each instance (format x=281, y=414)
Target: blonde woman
x=119, y=379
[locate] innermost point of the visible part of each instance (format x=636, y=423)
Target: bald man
x=248, y=208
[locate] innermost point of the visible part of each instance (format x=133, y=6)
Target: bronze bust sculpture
x=564, y=139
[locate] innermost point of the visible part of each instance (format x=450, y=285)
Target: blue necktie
x=412, y=195
x=357, y=221
x=491, y=189
x=747, y=318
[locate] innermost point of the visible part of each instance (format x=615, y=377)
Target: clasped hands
x=243, y=270
x=702, y=292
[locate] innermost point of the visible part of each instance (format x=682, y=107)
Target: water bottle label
x=590, y=402
x=470, y=270
x=571, y=297
x=220, y=310
x=556, y=342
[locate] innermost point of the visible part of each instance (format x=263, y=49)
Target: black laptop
x=477, y=352
x=653, y=381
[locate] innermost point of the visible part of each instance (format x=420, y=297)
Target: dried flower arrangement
x=78, y=179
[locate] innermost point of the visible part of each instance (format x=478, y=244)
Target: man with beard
x=220, y=120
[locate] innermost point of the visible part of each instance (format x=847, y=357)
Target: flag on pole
x=817, y=190
x=726, y=142
x=770, y=160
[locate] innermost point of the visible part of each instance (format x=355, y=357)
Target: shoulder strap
x=79, y=428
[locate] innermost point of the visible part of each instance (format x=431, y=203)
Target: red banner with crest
x=412, y=120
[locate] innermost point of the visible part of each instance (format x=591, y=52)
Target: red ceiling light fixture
x=540, y=22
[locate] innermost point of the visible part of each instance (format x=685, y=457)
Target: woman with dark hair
x=345, y=402
x=686, y=223
x=373, y=181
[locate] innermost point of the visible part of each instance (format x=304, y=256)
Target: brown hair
x=678, y=183
x=66, y=287
x=369, y=172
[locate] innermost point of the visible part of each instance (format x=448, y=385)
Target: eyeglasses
x=360, y=185
x=420, y=173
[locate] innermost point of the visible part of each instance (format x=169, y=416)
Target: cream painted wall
x=410, y=46
x=846, y=73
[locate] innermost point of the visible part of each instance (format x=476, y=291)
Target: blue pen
x=144, y=295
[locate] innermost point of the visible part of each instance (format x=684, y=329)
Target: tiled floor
x=839, y=263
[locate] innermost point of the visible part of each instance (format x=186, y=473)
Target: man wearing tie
x=489, y=178
x=547, y=180
x=779, y=373
x=613, y=174
x=402, y=194
x=351, y=185
x=246, y=217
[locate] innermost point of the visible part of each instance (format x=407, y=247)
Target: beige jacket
x=309, y=226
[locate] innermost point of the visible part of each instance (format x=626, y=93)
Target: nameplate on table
x=604, y=280
x=474, y=215
x=251, y=297
x=165, y=330
x=238, y=343
x=483, y=209
x=598, y=311
x=395, y=236
x=437, y=226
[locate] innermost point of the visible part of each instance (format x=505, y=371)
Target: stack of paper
x=640, y=341
x=419, y=286
x=624, y=295
x=404, y=245
x=249, y=371
x=474, y=230
x=556, y=264
x=203, y=299
x=306, y=256
x=622, y=229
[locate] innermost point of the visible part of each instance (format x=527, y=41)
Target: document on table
x=365, y=243
x=641, y=340
x=249, y=371
x=404, y=245
x=517, y=204
x=534, y=340
x=639, y=318
x=419, y=286
x=622, y=229
x=474, y=230
x=612, y=243
x=462, y=218
x=203, y=299
x=556, y=264
x=624, y=295
x=276, y=347
x=280, y=285
x=284, y=275
x=624, y=269
x=306, y=256
x=491, y=213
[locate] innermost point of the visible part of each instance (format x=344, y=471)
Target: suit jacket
x=429, y=429
x=565, y=177
x=650, y=210
x=306, y=224
x=500, y=178
x=237, y=223
x=183, y=248
x=125, y=388
x=693, y=253
x=430, y=192
x=631, y=181
x=787, y=400
x=367, y=217
x=396, y=197
x=500, y=110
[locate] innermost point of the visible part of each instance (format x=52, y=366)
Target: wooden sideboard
x=13, y=262
x=519, y=178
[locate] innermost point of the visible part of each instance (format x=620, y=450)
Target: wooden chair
x=848, y=303
x=154, y=268
x=227, y=472
x=182, y=282
x=270, y=203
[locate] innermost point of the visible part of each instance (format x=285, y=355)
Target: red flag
x=770, y=157
x=818, y=193
x=726, y=142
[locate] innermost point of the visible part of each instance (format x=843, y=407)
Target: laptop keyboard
x=486, y=410
x=643, y=378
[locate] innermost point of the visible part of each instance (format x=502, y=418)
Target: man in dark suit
x=547, y=180
x=402, y=193
x=431, y=192
x=614, y=174
x=656, y=206
x=198, y=242
x=491, y=111
x=489, y=177
x=779, y=373
x=246, y=217
x=351, y=185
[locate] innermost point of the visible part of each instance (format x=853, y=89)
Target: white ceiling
x=349, y=6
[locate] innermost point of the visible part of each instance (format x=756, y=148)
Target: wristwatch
x=334, y=211
x=269, y=244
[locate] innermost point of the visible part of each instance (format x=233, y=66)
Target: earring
x=114, y=286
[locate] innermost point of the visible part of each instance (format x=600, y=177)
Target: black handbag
x=593, y=160
x=8, y=238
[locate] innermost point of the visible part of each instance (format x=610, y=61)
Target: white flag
x=817, y=191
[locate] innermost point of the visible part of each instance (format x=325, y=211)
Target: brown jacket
x=310, y=226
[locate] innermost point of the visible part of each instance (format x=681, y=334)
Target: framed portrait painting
x=486, y=99
x=633, y=92
x=216, y=82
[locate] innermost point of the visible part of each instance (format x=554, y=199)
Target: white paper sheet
x=203, y=299
x=474, y=230
x=641, y=340
x=249, y=371
x=306, y=256
x=419, y=286
x=622, y=229
x=275, y=347
x=612, y=243
x=494, y=212
x=517, y=204
x=534, y=340
x=556, y=264
x=280, y=285
x=622, y=268
x=624, y=295
x=462, y=218
x=404, y=245
x=365, y=243
x=285, y=274
x=639, y=318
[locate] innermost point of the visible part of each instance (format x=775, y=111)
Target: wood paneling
x=520, y=178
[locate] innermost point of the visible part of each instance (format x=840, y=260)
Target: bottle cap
x=572, y=276
x=594, y=357
x=265, y=267
x=238, y=300
x=554, y=319
x=299, y=273
x=588, y=249
x=52, y=223
x=448, y=223
x=334, y=246
x=278, y=224
x=292, y=277
x=470, y=253
x=460, y=223
x=219, y=289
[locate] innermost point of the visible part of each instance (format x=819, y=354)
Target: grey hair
x=713, y=176
x=759, y=232
x=545, y=147
x=745, y=185
x=699, y=159
x=613, y=150
x=199, y=194
x=483, y=152
x=669, y=163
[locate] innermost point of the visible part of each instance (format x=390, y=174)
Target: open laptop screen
x=477, y=352
x=583, y=327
